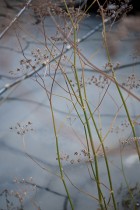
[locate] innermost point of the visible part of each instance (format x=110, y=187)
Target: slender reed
x=118, y=87
x=84, y=109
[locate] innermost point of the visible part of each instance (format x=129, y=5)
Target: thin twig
x=15, y=19
x=24, y=77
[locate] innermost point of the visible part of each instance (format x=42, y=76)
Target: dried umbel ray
x=56, y=6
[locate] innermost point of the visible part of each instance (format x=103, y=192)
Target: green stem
x=58, y=157
x=129, y=190
x=119, y=90
x=105, y=156
x=88, y=125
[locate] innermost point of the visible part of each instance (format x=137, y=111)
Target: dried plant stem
x=105, y=156
x=58, y=156
x=102, y=145
x=118, y=88
x=15, y=19
x=125, y=178
x=88, y=126
x=56, y=139
x=96, y=174
x=88, y=63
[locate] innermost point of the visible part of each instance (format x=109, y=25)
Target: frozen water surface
x=28, y=160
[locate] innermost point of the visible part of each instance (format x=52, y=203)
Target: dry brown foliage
x=127, y=27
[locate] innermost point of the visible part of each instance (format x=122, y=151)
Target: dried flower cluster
x=116, y=9
x=83, y=155
x=125, y=124
x=132, y=82
x=100, y=81
x=110, y=66
x=22, y=129
x=46, y=8
x=14, y=199
x=41, y=8
x=9, y=195
x=130, y=141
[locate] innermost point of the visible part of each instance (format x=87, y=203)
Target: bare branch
x=15, y=18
